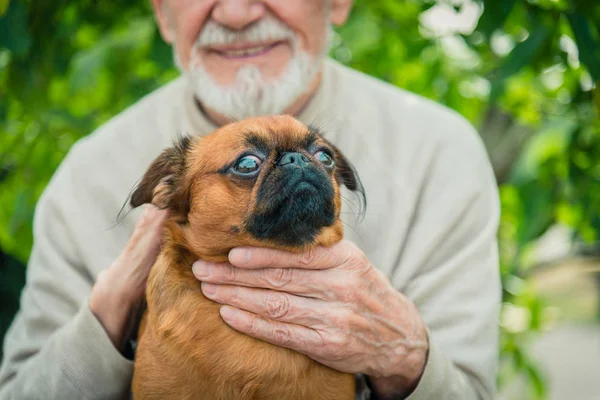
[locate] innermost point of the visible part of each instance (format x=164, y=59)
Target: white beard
x=251, y=94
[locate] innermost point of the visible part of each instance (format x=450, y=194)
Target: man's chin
x=252, y=95
x=242, y=102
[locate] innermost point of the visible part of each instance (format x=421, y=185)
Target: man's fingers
x=151, y=220
x=150, y=224
x=271, y=304
x=291, y=280
x=317, y=258
x=294, y=337
x=144, y=244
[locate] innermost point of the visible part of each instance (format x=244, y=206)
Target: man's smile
x=244, y=50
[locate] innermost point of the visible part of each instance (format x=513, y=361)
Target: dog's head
x=268, y=181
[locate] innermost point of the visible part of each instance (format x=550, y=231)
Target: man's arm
x=455, y=277
x=55, y=347
x=64, y=341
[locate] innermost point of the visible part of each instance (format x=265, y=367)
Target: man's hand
x=121, y=286
x=328, y=303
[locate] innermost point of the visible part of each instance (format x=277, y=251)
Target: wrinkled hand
x=328, y=303
x=120, y=287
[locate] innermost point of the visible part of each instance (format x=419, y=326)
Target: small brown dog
x=267, y=182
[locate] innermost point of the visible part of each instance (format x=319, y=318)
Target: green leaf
x=428, y=4
x=551, y=141
x=495, y=13
x=160, y=52
x=22, y=211
x=5, y=171
x=536, y=380
x=14, y=33
x=86, y=66
x=538, y=213
x=363, y=33
x=4, y=6
x=522, y=55
x=588, y=45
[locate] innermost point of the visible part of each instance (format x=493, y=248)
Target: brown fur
x=185, y=349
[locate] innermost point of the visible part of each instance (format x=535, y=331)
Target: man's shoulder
x=398, y=116
x=118, y=151
x=391, y=103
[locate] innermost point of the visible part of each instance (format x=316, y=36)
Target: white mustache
x=267, y=29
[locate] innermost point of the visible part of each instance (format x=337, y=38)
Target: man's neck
x=295, y=109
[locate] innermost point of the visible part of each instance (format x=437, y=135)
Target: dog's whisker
x=353, y=229
x=359, y=211
x=350, y=203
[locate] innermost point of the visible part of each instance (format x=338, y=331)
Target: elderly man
x=421, y=269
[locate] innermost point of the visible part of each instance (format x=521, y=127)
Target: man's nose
x=237, y=14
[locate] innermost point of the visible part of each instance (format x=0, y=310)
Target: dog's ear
x=162, y=183
x=345, y=172
x=347, y=175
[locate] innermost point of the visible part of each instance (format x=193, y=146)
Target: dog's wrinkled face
x=268, y=181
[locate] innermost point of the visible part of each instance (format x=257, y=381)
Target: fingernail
x=241, y=255
x=201, y=269
x=209, y=289
x=228, y=313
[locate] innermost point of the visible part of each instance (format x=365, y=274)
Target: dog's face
x=268, y=181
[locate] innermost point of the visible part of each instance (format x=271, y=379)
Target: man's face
x=245, y=57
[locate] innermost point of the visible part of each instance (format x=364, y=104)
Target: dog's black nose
x=293, y=159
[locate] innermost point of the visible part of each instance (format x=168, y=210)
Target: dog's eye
x=247, y=165
x=324, y=159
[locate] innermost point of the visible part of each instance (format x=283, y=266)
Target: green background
x=526, y=77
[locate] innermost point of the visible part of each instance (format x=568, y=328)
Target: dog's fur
x=185, y=350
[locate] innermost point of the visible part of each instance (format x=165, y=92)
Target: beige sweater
x=430, y=226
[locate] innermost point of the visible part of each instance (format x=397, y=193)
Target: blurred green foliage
x=526, y=75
